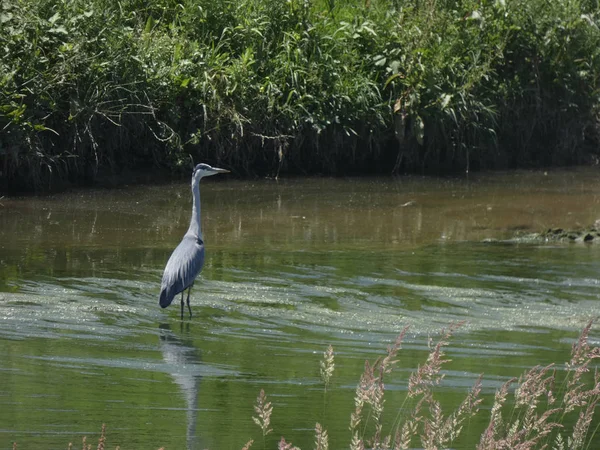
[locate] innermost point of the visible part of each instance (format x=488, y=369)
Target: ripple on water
x=108, y=309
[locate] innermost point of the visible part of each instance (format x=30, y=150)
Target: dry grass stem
x=248, y=445
x=356, y=443
x=468, y=408
x=392, y=352
x=581, y=357
x=428, y=374
x=582, y=425
x=321, y=438
x=489, y=435
x=537, y=411
x=283, y=445
x=264, y=411
x=327, y=366
x=370, y=391
x=102, y=439
x=404, y=436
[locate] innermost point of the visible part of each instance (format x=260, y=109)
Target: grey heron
x=187, y=259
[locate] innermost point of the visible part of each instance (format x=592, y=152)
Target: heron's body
x=183, y=267
x=187, y=259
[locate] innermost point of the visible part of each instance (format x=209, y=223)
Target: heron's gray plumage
x=187, y=259
x=183, y=267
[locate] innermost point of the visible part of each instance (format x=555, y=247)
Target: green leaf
x=59, y=30
x=367, y=28
x=54, y=18
x=185, y=82
x=67, y=46
x=395, y=66
x=149, y=25
x=379, y=60
x=39, y=127
x=390, y=79
x=289, y=97
x=445, y=100
x=475, y=15
x=5, y=17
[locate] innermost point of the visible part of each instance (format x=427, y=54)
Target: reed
x=535, y=419
x=264, y=410
x=327, y=366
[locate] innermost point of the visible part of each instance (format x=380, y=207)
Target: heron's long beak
x=216, y=169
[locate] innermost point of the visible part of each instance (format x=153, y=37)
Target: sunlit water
x=292, y=266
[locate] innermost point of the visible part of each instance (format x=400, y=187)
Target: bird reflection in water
x=184, y=364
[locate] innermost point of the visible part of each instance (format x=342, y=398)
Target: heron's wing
x=183, y=267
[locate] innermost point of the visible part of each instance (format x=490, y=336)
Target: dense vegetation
x=264, y=86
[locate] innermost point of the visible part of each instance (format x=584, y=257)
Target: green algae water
x=292, y=266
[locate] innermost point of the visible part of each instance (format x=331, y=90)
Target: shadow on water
x=183, y=364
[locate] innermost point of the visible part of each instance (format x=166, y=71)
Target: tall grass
x=550, y=408
x=265, y=86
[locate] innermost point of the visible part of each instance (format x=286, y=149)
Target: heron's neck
x=195, y=228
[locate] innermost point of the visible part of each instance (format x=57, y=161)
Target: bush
x=300, y=86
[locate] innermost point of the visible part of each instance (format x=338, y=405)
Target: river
x=291, y=267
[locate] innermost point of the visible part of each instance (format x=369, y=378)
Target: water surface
x=292, y=266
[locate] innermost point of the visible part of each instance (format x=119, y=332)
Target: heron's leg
x=181, y=305
x=188, y=302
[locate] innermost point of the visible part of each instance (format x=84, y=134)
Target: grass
x=304, y=86
x=550, y=408
x=545, y=402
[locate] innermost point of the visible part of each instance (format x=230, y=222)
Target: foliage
x=303, y=85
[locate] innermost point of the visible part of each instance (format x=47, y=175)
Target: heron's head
x=204, y=170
